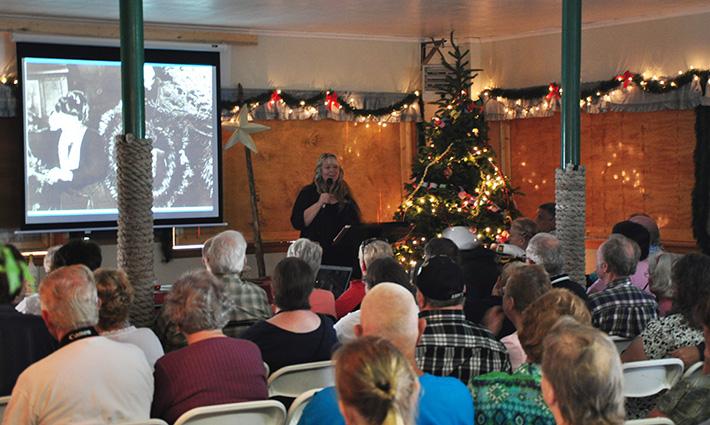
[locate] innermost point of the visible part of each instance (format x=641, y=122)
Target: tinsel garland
x=602, y=88
x=328, y=97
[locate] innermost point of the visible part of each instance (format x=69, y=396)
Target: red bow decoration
x=627, y=77
x=554, y=92
x=466, y=197
x=331, y=100
x=275, y=96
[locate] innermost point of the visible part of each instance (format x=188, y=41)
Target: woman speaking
x=324, y=207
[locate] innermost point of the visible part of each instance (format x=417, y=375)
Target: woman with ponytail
x=376, y=384
x=323, y=207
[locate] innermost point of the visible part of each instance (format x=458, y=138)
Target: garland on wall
x=622, y=92
x=329, y=99
x=600, y=89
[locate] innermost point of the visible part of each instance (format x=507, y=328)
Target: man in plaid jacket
x=450, y=344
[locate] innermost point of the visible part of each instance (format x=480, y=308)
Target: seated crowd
x=470, y=335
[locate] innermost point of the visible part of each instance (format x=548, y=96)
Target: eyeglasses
x=426, y=262
x=367, y=242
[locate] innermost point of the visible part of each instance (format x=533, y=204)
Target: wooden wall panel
x=634, y=161
x=376, y=161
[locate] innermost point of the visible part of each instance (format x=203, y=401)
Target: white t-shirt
x=90, y=381
x=515, y=350
x=345, y=327
x=143, y=338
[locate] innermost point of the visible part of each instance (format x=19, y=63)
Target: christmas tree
x=455, y=178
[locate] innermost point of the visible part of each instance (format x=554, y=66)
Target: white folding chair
x=3, y=404
x=696, y=367
x=264, y=412
x=650, y=421
x=300, y=403
x=292, y=381
x=152, y=421
x=621, y=343
x=649, y=377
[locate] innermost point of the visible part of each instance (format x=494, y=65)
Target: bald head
x=390, y=311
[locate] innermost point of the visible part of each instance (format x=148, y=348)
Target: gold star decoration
x=243, y=130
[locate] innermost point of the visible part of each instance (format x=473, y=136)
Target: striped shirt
x=453, y=346
x=622, y=309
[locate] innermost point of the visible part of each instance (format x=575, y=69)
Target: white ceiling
x=367, y=18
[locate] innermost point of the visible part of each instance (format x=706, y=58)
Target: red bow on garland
x=275, y=96
x=554, y=92
x=627, y=77
x=331, y=100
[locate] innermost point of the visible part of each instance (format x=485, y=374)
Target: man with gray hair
x=582, y=376
x=621, y=309
x=90, y=378
x=390, y=312
x=545, y=249
x=226, y=258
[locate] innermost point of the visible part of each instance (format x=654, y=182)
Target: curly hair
x=74, y=103
x=691, y=282
x=543, y=313
x=197, y=302
x=375, y=379
x=116, y=295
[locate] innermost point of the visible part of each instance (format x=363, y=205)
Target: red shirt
x=350, y=299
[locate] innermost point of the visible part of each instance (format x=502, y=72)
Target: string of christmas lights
x=329, y=99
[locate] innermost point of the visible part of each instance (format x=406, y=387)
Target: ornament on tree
x=554, y=92
x=331, y=100
x=471, y=191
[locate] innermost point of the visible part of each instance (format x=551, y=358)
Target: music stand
x=351, y=235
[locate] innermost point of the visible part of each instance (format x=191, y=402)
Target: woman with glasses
x=323, y=207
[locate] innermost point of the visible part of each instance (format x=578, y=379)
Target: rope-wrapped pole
x=134, y=173
x=135, y=222
x=570, y=217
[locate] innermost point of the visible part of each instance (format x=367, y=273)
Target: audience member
x=450, y=344
x=369, y=251
x=24, y=339
x=525, y=285
x=78, y=251
x=521, y=230
x=385, y=269
x=441, y=246
x=639, y=275
x=621, y=309
x=295, y=334
x=226, y=258
x=390, y=312
x=375, y=383
x=205, y=249
x=654, y=233
x=545, y=249
x=212, y=369
x=659, y=279
x=687, y=402
x=480, y=271
x=90, y=378
x=321, y=299
x=545, y=218
x=517, y=398
x=581, y=376
x=116, y=296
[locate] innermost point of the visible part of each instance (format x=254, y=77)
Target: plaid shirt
x=453, y=346
x=250, y=301
x=622, y=309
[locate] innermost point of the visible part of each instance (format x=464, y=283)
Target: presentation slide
x=72, y=113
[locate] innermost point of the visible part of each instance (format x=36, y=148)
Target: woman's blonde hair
x=339, y=188
x=376, y=380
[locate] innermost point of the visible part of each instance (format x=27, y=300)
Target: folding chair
x=292, y=381
x=263, y=412
x=650, y=377
x=621, y=343
x=650, y=421
x=693, y=369
x=298, y=405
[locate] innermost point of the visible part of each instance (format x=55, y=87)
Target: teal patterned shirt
x=503, y=398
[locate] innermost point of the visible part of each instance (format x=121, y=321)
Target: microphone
x=328, y=184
